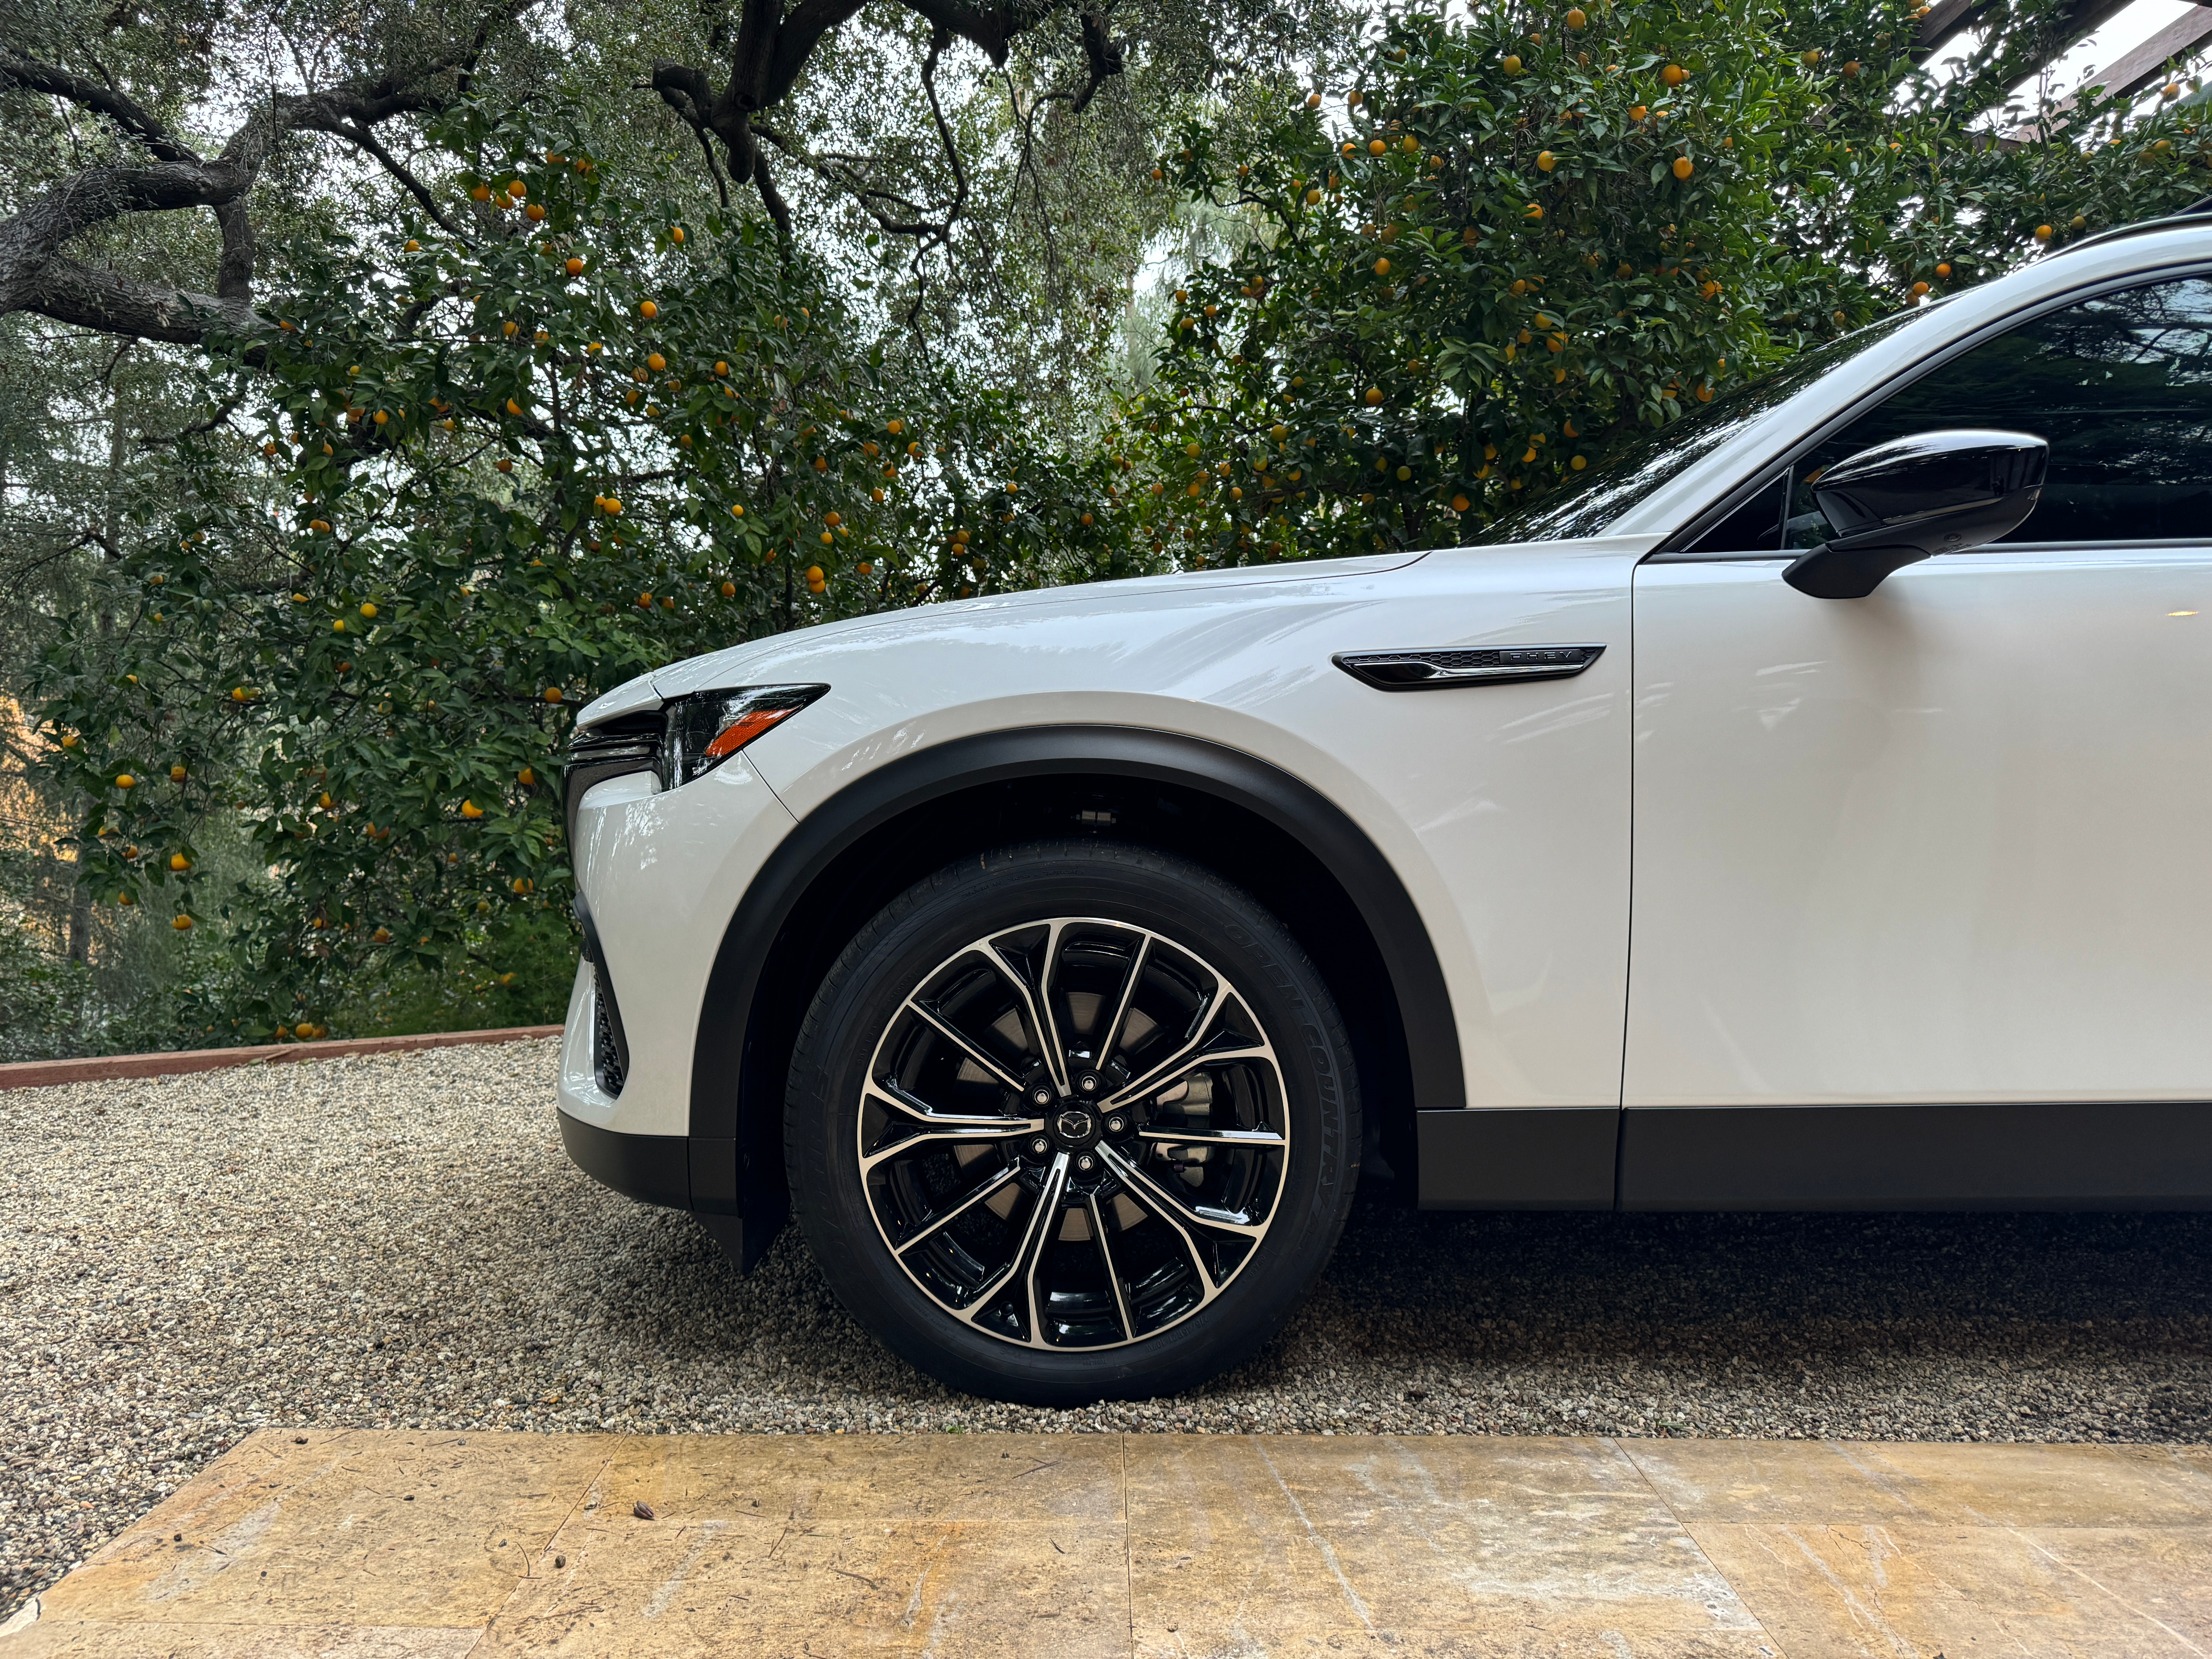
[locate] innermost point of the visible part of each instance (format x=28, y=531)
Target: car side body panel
x=1945, y=843
x=1453, y=785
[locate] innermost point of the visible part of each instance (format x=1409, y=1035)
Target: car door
x=1945, y=846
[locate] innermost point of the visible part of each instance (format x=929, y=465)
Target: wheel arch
x=1246, y=818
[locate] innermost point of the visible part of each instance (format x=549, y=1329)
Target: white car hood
x=781, y=656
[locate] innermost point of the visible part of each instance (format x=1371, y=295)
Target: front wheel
x=1072, y=1122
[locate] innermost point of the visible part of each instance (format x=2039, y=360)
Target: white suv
x=1700, y=841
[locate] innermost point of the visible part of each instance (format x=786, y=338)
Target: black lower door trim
x=2154, y=1155
x=1554, y=1158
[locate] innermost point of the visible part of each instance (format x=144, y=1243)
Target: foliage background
x=327, y=585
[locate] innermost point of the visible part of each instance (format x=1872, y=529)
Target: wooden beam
x=2147, y=63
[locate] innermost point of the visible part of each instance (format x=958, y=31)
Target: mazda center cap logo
x=1075, y=1123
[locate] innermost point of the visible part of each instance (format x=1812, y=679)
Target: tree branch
x=363, y=139
x=778, y=209
x=32, y=75
x=1101, y=54
x=34, y=276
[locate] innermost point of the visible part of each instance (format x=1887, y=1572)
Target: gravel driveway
x=399, y=1241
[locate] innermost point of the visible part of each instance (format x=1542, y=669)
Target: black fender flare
x=718, y=1115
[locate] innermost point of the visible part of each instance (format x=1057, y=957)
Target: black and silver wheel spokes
x=1073, y=1134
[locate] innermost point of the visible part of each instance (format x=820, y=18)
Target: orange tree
x=537, y=440
x=1513, y=238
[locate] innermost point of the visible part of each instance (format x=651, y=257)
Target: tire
x=1127, y=1223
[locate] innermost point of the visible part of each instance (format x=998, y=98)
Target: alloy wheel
x=1072, y=1133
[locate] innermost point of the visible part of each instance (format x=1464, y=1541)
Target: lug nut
x=1088, y=1083
x=1085, y=1160
x=1040, y=1145
x=1041, y=1097
x=1115, y=1125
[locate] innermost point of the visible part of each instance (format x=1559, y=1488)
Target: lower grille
x=610, y=1044
x=608, y=1055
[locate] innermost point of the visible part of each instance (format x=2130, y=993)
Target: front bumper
x=661, y=874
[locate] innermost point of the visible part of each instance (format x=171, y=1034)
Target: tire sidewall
x=1112, y=881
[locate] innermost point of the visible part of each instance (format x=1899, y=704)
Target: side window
x=2120, y=385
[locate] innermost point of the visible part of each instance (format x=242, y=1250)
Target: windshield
x=1592, y=500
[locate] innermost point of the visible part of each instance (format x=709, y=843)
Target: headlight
x=706, y=728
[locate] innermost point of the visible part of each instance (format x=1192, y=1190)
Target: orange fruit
x=517, y=189
x=1577, y=18
x=2043, y=232
x=648, y=310
x=1512, y=65
x=1674, y=75
x=320, y=526
x=1919, y=288
x=736, y=511
x=179, y=862
x=646, y=599
x=1944, y=272
x=1546, y=161
x=533, y=212
x=176, y=775
x=470, y=810
x=1382, y=267
x=721, y=367
x=1373, y=396
x=480, y=193
x=520, y=886
x=1534, y=211
x=655, y=361
x=1376, y=146
x=676, y=234
x=1682, y=169
x=729, y=590
x=182, y=924
x=552, y=694
x=124, y=781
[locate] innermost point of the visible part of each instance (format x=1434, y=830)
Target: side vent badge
x=1424, y=670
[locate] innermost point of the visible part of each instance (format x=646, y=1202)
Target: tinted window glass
x=1753, y=527
x=2121, y=387
x=1594, y=498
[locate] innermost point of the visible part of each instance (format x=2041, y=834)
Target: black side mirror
x=1906, y=500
